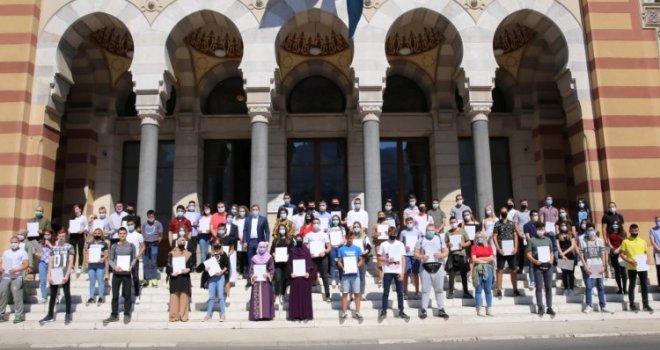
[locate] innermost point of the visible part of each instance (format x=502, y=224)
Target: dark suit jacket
x=263, y=232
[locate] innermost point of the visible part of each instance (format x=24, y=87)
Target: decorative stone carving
x=474, y=7
x=477, y=111
x=304, y=44
x=151, y=8
x=214, y=42
x=414, y=43
x=117, y=48
x=260, y=112
x=150, y=116
x=513, y=37
x=651, y=18
x=371, y=7
x=257, y=7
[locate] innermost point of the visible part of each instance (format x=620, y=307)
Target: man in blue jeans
x=392, y=255
x=592, y=255
x=152, y=230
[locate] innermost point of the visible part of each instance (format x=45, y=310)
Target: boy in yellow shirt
x=632, y=249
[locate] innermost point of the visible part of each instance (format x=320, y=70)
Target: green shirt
x=537, y=242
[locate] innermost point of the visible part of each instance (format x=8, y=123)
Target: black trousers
x=322, y=268
x=458, y=265
x=123, y=282
x=192, y=248
x=281, y=279
x=77, y=240
x=53, y=295
x=619, y=272
x=135, y=274
x=643, y=284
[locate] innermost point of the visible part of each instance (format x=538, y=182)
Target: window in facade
x=317, y=169
x=405, y=170
x=227, y=171
x=226, y=98
x=403, y=95
x=316, y=94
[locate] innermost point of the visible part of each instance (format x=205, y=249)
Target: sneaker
x=647, y=308
x=206, y=318
x=467, y=295
x=550, y=312
x=78, y=271
x=489, y=312
x=605, y=311
x=516, y=293
x=344, y=315
x=479, y=313
x=44, y=301
x=422, y=314
x=358, y=317
x=619, y=292
x=90, y=301
x=443, y=314
x=588, y=309
x=222, y=318
x=450, y=295
x=47, y=319
x=499, y=294
x=154, y=283
x=19, y=319
x=541, y=311
x=111, y=319
x=403, y=315
x=127, y=319
x=100, y=301
x=68, y=318
x=145, y=283
x=634, y=308
x=382, y=315
x=532, y=285
x=137, y=300
x=565, y=292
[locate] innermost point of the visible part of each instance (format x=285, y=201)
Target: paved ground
x=606, y=333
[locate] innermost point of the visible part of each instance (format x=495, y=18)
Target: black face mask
x=301, y=209
x=181, y=246
x=217, y=246
x=299, y=243
x=392, y=238
x=381, y=219
x=523, y=207
x=130, y=212
x=510, y=206
x=503, y=215
x=334, y=205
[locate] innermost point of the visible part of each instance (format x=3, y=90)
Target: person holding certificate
x=121, y=261
x=615, y=236
x=392, y=254
x=567, y=249
x=337, y=234
x=262, y=269
x=361, y=236
x=178, y=268
x=349, y=261
x=228, y=236
x=152, y=230
x=539, y=252
x=505, y=238
x=281, y=249
x=78, y=229
x=409, y=237
x=14, y=262
x=98, y=253
x=283, y=219
x=379, y=235
x=482, y=272
x=457, y=241
x=592, y=256
x=43, y=255
x=432, y=252
x=633, y=252
x=59, y=273
x=319, y=246
x=300, y=267
x=654, y=235
x=217, y=267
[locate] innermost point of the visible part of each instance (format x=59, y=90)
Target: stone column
x=482, y=166
x=150, y=121
x=259, y=120
x=371, y=137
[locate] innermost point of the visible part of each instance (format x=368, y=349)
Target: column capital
x=260, y=112
x=150, y=116
x=478, y=111
x=370, y=111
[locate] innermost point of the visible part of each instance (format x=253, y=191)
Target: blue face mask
x=590, y=233
x=430, y=234
x=179, y=214
x=229, y=220
x=548, y=202
x=357, y=207
x=317, y=227
x=336, y=223
x=262, y=251
x=130, y=228
x=356, y=230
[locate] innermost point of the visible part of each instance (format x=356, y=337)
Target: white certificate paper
x=657, y=258
x=316, y=247
x=98, y=224
x=411, y=241
x=299, y=268
x=455, y=241
x=565, y=264
x=124, y=262
x=225, y=248
x=212, y=265
x=543, y=254
x=471, y=231
x=74, y=226
x=596, y=271
x=281, y=254
x=642, y=264
x=335, y=237
x=94, y=254
x=289, y=212
x=394, y=253
x=382, y=231
x=259, y=272
x=350, y=265
x=57, y=275
x=358, y=242
x=507, y=247
x=33, y=229
x=178, y=264
x=205, y=224
x=549, y=227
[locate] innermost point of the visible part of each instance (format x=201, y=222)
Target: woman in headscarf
x=261, y=300
x=300, y=294
x=180, y=286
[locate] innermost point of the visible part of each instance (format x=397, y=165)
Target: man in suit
x=255, y=230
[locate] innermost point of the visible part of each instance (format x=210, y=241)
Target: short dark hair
x=151, y=212
x=539, y=225
x=122, y=229
x=412, y=196
x=590, y=225
x=534, y=211
x=634, y=227
x=180, y=207
x=131, y=221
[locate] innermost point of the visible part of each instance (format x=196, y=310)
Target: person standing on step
x=432, y=251
x=458, y=209
x=633, y=252
x=654, y=235
x=542, y=269
x=320, y=239
x=567, y=249
x=205, y=233
x=262, y=269
x=116, y=221
x=14, y=263
x=392, y=255
x=77, y=235
x=520, y=219
x=60, y=265
x=350, y=279
x=457, y=241
x=179, y=266
x=255, y=230
x=505, y=238
x=121, y=252
x=335, y=229
x=216, y=282
x=615, y=237
x=592, y=256
x=43, y=255
x=529, y=229
x=482, y=272
x=152, y=232
x=137, y=240
x=409, y=236
x=96, y=267
x=281, y=275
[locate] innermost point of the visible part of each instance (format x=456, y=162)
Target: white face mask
x=14, y=246
x=454, y=226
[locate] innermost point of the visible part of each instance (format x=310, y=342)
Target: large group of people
x=319, y=244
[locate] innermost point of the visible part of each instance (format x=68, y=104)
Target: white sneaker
x=588, y=309
x=78, y=271
x=137, y=300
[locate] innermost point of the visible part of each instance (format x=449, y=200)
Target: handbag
x=544, y=266
x=432, y=267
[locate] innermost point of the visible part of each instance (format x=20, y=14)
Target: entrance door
x=317, y=169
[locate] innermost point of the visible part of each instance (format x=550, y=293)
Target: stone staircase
x=151, y=313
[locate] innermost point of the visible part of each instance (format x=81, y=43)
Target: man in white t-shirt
x=320, y=240
x=357, y=214
x=392, y=255
x=116, y=221
x=432, y=252
x=14, y=262
x=137, y=240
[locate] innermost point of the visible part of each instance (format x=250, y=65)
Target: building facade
x=165, y=101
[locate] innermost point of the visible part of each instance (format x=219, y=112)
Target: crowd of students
x=326, y=245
